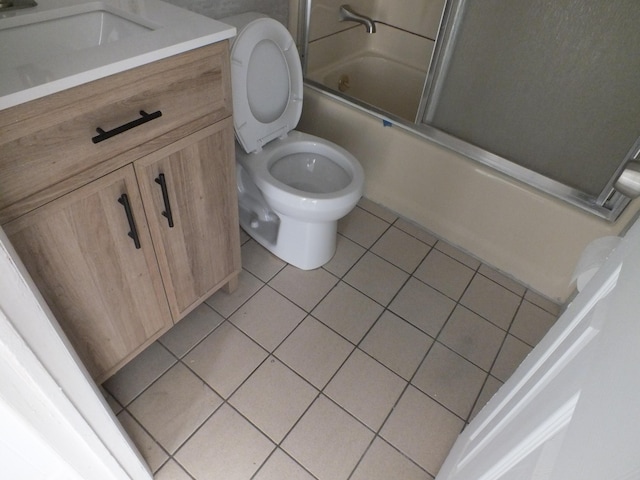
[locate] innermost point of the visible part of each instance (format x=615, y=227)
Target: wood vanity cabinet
x=125, y=236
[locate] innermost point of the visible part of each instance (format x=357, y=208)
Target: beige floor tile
x=531, y=323
x=260, y=261
x=450, y=379
x=184, y=335
x=244, y=237
x=378, y=210
x=511, y=355
x=171, y=471
x=227, y=303
x=268, y=318
x=273, y=398
x=314, y=351
x=328, y=441
x=491, y=301
x=401, y=249
x=383, y=462
x=473, y=337
x=152, y=453
x=445, y=274
x=362, y=227
x=491, y=386
x=458, y=254
x=543, y=302
x=174, y=407
x=115, y=406
x=415, y=231
x=348, y=312
x=139, y=373
x=305, y=288
x=366, y=389
x=226, y=447
x=397, y=344
x=422, y=429
x=346, y=256
x=376, y=278
x=423, y=306
x=280, y=466
x=501, y=279
x=225, y=359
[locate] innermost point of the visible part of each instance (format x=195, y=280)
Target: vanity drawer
x=46, y=145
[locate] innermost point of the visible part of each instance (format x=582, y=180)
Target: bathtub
x=527, y=235
x=386, y=70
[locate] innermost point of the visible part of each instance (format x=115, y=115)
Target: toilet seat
x=267, y=83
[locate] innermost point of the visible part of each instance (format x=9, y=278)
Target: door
x=189, y=194
x=103, y=286
x=572, y=409
x=545, y=91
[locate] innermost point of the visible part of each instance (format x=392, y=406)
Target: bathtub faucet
x=348, y=14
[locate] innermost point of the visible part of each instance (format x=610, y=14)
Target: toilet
x=292, y=187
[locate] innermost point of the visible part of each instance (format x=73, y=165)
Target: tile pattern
x=367, y=368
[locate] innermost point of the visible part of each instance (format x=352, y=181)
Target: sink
x=61, y=44
x=43, y=38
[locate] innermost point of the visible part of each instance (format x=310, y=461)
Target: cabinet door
x=106, y=293
x=199, y=251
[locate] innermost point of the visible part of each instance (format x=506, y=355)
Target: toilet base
x=305, y=245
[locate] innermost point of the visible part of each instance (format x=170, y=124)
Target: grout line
x=356, y=346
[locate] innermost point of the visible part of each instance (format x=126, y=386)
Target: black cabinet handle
x=133, y=233
x=144, y=118
x=165, y=197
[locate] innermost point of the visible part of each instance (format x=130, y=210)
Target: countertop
x=170, y=30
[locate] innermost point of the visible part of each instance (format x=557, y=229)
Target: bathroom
x=487, y=228
x=533, y=238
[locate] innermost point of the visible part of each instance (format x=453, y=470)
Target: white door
x=572, y=409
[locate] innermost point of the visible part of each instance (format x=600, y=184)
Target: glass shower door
x=545, y=90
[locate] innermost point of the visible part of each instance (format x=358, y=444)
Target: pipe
x=348, y=14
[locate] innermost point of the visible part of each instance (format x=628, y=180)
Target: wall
x=278, y=9
x=526, y=234
x=417, y=16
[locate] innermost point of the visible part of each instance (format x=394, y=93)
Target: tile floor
x=365, y=369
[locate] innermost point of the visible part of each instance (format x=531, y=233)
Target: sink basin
x=44, y=38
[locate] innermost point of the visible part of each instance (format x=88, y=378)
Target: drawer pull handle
x=165, y=197
x=144, y=118
x=133, y=232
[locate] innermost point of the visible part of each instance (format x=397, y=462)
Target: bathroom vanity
x=119, y=196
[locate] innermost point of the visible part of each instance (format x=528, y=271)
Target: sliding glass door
x=551, y=86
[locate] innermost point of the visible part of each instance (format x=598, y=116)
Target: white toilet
x=292, y=187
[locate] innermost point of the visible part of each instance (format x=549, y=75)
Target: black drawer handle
x=133, y=233
x=144, y=118
x=165, y=197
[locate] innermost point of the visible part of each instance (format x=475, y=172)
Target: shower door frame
x=608, y=205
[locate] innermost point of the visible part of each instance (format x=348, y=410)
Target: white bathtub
x=522, y=232
x=386, y=69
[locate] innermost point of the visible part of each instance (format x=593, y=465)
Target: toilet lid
x=266, y=78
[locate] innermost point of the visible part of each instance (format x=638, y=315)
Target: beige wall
x=418, y=16
x=520, y=231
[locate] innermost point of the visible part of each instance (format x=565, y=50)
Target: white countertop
x=170, y=31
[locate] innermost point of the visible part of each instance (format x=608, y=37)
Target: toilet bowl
x=292, y=187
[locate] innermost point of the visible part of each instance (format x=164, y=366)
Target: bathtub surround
x=421, y=17
x=518, y=230
x=278, y=9
x=385, y=69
